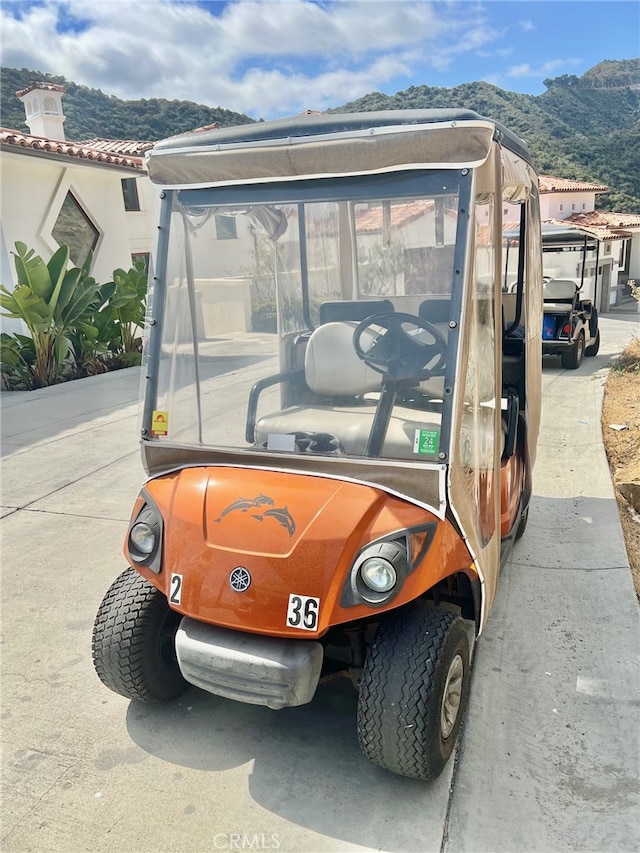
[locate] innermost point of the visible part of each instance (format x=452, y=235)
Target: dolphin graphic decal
x=243, y=504
x=281, y=515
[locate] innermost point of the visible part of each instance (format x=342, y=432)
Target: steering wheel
x=397, y=351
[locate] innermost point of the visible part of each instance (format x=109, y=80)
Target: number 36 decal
x=303, y=612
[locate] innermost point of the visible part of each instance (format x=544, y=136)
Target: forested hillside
x=90, y=113
x=585, y=128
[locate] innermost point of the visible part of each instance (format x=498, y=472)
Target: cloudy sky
x=270, y=58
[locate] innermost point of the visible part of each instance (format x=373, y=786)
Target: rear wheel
x=413, y=691
x=592, y=350
x=522, y=524
x=572, y=358
x=134, y=641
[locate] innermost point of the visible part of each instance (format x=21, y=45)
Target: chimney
x=43, y=107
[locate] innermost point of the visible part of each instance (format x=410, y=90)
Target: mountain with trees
x=583, y=128
x=90, y=113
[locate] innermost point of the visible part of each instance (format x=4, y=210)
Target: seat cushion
x=332, y=366
x=559, y=288
x=352, y=425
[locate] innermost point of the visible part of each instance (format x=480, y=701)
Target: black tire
x=134, y=641
x=592, y=350
x=402, y=721
x=572, y=358
x=522, y=524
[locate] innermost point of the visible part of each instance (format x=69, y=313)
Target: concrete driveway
x=549, y=759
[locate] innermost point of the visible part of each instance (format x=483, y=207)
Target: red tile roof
x=126, y=147
x=214, y=126
x=48, y=87
x=606, y=219
x=484, y=232
x=104, y=154
x=371, y=220
x=549, y=184
x=594, y=224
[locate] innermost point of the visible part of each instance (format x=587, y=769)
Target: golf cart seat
x=356, y=309
x=342, y=403
x=436, y=311
x=559, y=290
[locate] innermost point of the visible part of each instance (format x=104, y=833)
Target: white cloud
x=264, y=91
x=262, y=57
x=552, y=66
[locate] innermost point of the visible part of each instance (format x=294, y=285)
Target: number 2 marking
x=175, y=586
x=303, y=612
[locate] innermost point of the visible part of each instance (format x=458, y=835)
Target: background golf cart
x=571, y=287
x=570, y=323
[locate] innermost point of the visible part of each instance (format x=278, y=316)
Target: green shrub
x=52, y=301
x=76, y=327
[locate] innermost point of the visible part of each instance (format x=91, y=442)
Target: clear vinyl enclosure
x=312, y=316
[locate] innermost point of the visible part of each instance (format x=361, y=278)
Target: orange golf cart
x=339, y=418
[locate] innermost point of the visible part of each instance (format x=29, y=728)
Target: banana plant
x=96, y=335
x=17, y=358
x=52, y=301
x=129, y=303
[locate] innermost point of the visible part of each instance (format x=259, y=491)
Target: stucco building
x=88, y=195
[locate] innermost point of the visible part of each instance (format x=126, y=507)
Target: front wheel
x=592, y=350
x=413, y=691
x=134, y=641
x=572, y=358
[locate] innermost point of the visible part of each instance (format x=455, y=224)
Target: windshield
x=310, y=317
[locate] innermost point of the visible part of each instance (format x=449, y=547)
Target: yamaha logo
x=240, y=579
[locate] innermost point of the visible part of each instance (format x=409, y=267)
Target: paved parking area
x=549, y=759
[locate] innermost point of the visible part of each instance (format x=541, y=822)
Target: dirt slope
x=621, y=408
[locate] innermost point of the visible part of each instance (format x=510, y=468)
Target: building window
x=561, y=207
x=136, y=257
x=623, y=256
x=573, y=207
x=75, y=229
x=130, y=194
x=584, y=205
x=226, y=228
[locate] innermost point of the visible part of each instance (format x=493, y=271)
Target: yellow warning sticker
x=160, y=423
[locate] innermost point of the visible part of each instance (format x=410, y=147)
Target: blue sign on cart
x=548, y=327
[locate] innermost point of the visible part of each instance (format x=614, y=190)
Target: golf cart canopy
x=560, y=235
x=312, y=279
x=312, y=145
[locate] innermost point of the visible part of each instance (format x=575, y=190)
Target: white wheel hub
x=451, y=697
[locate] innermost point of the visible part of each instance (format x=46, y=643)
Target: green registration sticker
x=426, y=441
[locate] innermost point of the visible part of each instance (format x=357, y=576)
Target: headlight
x=378, y=574
x=379, y=571
x=143, y=537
